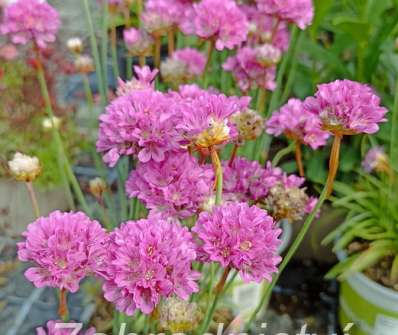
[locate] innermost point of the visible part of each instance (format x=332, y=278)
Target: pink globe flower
x=262, y=28
x=221, y=20
x=248, y=180
x=205, y=118
x=144, y=80
x=298, y=124
x=240, y=237
x=142, y=124
x=299, y=12
x=347, y=107
x=66, y=247
x=194, y=60
x=176, y=187
x=376, y=159
x=138, y=42
x=30, y=21
x=149, y=259
x=249, y=70
x=53, y=329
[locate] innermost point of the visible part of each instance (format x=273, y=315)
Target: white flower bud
x=75, y=45
x=24, y=168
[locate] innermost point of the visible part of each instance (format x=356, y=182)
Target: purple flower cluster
x=30, y=21
x=66, y=247
x=299, y=124
x=176, y=187
x=240, y=237
x=149, y=259
x=347, y=107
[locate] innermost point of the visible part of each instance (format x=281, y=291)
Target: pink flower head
x=347, y=107
x=262, y=28
x=66, y=248
x=205, y=118
x=194, y=60
x=221, y=20
x=53, y=329
x=149, y=259
x=176, y=187
x=141, y=123
x=138, y=42
x=145, y=80
x=241, y=237
x=249, y=71
x=375, y=159
x=30, y=21
x=248, y=180
x=297, y=123
x=299, y=12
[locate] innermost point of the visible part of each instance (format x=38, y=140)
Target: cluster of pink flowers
x=194, y=60
x=149, y=259
x=347, y=107
x=176, y=187
x=138, y=41
x=140, y=123
x=30, y=21
x=147, y=124
x=221, y=21
x=240, y=237
x=144, y=80
x=66, y=247
x=299, y=124
x=249, y=71
x=299, y=12
x=52, y=329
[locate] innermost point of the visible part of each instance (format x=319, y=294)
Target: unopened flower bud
x=249, y=123
x=84, y=64
x=177, y=315
x=97, y=187
x=24, y=168
x=50, y=123
x=75, y=45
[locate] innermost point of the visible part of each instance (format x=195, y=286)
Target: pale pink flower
x=376, y=159
x=149, y=259
x=144, y=80
x=299, y=12
x=240, y=237
x=65, y=247
x=138, y=42
x=194, y=60
x=30, y=21
x=299, y=124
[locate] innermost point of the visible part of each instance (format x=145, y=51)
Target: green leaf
x=358, y=29
x=341, y=267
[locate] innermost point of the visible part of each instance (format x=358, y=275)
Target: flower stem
x=139, y=11
x=291, y=252
x=63, y=305
x=333, y=162
x=142, y=60
x=171, y=41
x=158, y=45
x=33, y=199
x=219, y=174
x=220, y=285
x=210, y=51
x=394, y=130
x=115, y=64
x=57, y=138
x=262, y=95
x=233, y=154
x=282, y=153
x=94, y=50
x=299, y=159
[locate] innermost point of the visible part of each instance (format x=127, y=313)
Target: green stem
x=394, y=130
x=282, y=153
x=58, y=141
x=212, y=44
x=262, y=95
x=94, y=49
x=63, y=305
x=104, y=51
x=291, y=252
x=115, y=64
x=275, y=99
x=129, y=69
